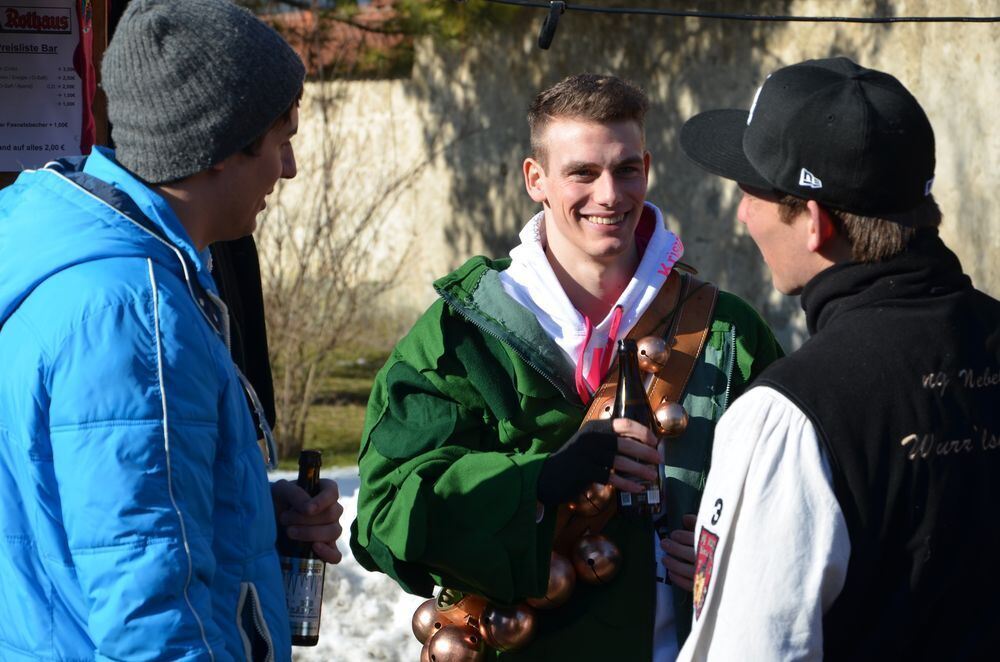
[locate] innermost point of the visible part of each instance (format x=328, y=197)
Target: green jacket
x=462, y=416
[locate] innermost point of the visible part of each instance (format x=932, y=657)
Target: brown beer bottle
x=301, y=569
x=631, y=402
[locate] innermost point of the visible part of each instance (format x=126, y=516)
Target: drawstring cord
x=602, y=356
x=270, y=448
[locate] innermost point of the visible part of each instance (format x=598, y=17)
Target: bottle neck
x=630, y=395
x=309, y=479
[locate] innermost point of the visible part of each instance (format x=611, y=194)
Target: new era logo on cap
x=806, y=178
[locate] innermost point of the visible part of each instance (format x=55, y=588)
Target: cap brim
x=714, y=141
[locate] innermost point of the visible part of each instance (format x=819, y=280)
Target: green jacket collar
x=475, y=292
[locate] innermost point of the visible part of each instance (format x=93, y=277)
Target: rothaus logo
x=27, y=19
x=806, y=178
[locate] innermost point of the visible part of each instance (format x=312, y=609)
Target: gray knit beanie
x=190, y=82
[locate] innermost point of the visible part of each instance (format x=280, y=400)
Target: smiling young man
x=138, y=522
x=851, y=509
x=471, y=441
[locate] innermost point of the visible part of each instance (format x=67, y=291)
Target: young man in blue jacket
x=138, y=522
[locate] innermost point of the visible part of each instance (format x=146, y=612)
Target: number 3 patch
x=707, y=542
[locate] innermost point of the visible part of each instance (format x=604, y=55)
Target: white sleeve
x=771, y=538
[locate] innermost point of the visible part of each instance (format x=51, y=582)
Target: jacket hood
x=48, y=223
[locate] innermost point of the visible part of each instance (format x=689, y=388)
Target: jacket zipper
x=729, y=369
x=248, y=598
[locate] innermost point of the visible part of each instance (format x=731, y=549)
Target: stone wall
x=456, y=129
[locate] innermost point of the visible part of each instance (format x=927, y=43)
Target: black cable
x=755, y=17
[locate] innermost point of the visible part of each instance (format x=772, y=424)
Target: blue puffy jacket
x=136, y=517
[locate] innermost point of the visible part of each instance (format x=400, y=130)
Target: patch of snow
x=366, y=616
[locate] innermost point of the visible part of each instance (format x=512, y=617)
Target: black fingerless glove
x=586, y=458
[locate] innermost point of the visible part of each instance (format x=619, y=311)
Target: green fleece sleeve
x=441, y=500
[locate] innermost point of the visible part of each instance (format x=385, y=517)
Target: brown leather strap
x=686, y=334
x=655, y=322
x=693, y=325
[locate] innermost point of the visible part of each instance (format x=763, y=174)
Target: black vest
x=901, y=379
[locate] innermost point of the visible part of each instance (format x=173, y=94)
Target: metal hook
x=548, y=31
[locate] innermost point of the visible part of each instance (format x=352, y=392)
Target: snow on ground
x=366, y=616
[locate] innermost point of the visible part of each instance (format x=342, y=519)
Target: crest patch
x=707, y=542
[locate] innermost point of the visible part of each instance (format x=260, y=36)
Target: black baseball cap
x=851, y=138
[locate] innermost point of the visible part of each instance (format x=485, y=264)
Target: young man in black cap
x=138, y=522
x=849, y=512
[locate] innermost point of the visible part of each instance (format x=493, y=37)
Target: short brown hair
x=592, y=97
x=872, y=239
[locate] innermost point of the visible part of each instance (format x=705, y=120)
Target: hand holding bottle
x=637, y=455
x=303, y=569
x=310, y=519
x=585, y=458
x=589, y=455
x=632, y=406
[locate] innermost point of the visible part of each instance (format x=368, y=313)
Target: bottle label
x=647, y=501
x=303, y=593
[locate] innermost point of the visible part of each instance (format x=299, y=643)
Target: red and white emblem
x=707, y=542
